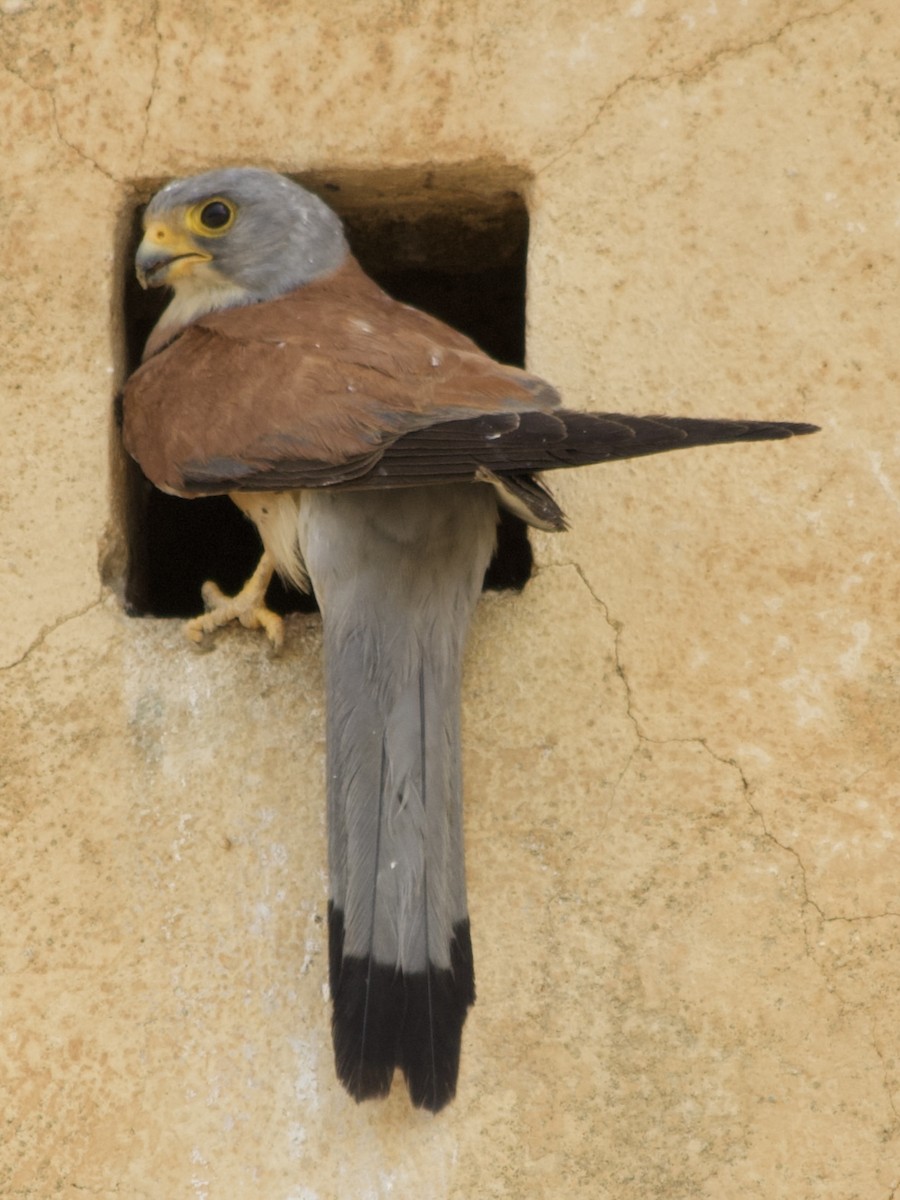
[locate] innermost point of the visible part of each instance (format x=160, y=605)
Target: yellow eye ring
x=211, y=218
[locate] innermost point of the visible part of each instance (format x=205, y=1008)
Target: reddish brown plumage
x=328, y=374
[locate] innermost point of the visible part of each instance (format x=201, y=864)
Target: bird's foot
x=248, y=607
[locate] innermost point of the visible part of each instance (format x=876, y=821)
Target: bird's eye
x=212, y=217
x=215, y=214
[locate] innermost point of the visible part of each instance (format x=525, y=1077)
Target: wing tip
x=776, y=430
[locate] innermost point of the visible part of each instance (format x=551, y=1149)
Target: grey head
x=242, y=229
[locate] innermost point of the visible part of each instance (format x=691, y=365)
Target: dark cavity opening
x=456, y=249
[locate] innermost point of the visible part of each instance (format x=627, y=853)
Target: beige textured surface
x=681, y=740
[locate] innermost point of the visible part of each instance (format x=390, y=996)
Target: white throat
x=201, y=292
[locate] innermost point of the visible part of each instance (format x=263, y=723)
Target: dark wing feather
x=502, y=444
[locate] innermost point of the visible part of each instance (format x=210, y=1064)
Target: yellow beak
x=165, y=255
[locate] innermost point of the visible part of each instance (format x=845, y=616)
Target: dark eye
x=216, y=215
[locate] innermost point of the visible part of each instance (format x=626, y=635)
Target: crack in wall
x=643, y=737
x=50, y=93
x=809, y=899
x=885, y=1070
x=47, y=631
x=82, y=154
x=851, y=1006
x=686, y=75
x=616, y=627
x=154, y=79
x=889, y=1091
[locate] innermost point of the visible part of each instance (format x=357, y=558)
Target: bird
x=373, y=446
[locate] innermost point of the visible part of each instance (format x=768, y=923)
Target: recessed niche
x=455, y=248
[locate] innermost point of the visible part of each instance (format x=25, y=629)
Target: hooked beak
x=165, y=256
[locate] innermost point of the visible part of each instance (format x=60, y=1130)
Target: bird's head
x=236, y=236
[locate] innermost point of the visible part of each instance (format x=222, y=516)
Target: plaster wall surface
x=681, y=740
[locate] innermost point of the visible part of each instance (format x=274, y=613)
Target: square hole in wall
x=455, y=247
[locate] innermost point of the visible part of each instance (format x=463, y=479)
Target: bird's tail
x=400, y=954
x=401, y=969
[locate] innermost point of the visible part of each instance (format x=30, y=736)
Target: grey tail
x=400, y=953
x=402, y=984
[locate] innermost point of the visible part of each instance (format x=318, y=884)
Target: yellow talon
x=248, y=607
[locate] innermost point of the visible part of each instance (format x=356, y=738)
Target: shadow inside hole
x=463, y=264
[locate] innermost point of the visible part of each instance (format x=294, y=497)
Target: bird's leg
x=248, y=607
